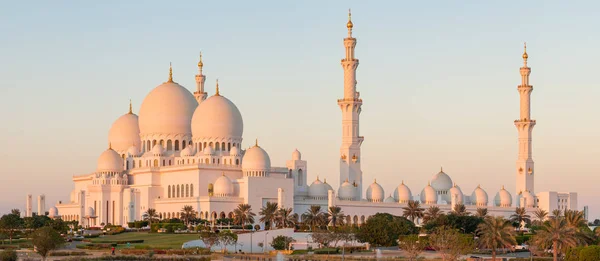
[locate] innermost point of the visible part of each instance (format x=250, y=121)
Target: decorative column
x=525, y=169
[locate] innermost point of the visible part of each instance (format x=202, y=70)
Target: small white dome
x=133, y=151
x=529, y=199
x=157, y=150
x=375, y=192
x=296, y=155
x=256, y=160
x=389, y=199
x=53, y=212
x=428, y=195
x=208, y=150
x=441, y=181
x=223, y=187
x=110, y=161
x=188, y=151
x=455, y=191
x=503, y=198
x=124, y=132
x=89, y=212
x=167, y=109
x=346, y=191
x=234, y=151
x=217, y=118
x=318, y=189
x=402, y=193
x=479, y=197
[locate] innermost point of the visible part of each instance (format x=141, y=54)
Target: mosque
x=186, y=149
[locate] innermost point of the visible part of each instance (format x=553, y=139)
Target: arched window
x=148, y=148
x=213, y=161
x=176, y=145
x=204, y=147
x=217, y=146
x=169, y=145
x=222, y=214
x=228, y=146
x=210, y=190
x=127, y=165
x=133, y=161
x=191, y=190
x=140, y=163
x=153, y=143
x=170, y=163
x=162, y=143
x=289, y=173
x=155, y=163
x=187, y=190
x=300, y=177
x=183, y=144
x=169, y=189
x=206, y=161
x=237, y=162
x=211, y=145
x=178, y=191
x=222, y=145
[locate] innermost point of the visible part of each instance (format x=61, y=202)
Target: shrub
x=8, y=255
x=522, y=239
x=327, y=251
x=281, y=242
x=8, y=247
x=68, y=253
x=588, y=253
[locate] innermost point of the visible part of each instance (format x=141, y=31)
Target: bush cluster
x=137, y=224
x=170, y=227
x=8, y=255
x=327, y=251
x=586, y=253
x=68, y=253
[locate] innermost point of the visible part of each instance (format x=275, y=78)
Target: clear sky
x=438, y=80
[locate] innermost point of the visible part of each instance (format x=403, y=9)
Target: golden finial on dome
x=110, y=145
x=256, y=142
x=318, y=178
x=374, y=180
x=441, y=169
x=325, y=180
x=350, y=25
x=525, y=56
x=130, y=111
x=502, y=187
x=402, y=182
x=428, y=183
x=200, y=64
x=217, y=92
x=170, y=73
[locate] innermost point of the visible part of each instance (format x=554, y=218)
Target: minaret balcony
x=348, y=100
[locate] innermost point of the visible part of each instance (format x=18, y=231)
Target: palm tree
x=540, y=215
x=151, y=215
x=313, y=217
x=556, y=213
x=520, y=216
x=413, y=210
x=481, y=212
x=556, y=234
x=460, y=210
x=16, y=211
x=285, y=218
x=494, y=233
x=187, y=213
x=243, y=214
x=336, y=216
x=431, y=213
x=268, y=214
x=576, y=220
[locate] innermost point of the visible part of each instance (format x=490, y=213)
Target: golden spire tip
x=130, y=110
x=349, y=25
x=170, y=72
x=217, y=92
x=525, y=56
x=200, y=63
x=110, y=145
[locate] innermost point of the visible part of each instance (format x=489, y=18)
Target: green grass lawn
x=153, y=240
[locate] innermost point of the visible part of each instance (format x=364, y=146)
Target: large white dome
x=217, y=118
x=402, y=193
x=375, y=192
x=529, y=199
x=479, y=197
x=256, y=162
x=125, y=132
x=318, y=189
x=53, y=212
x=223, y=187
x=441, y=181
x=110, y=161
x=167, y=110
x=503, y=198
x=346, y=191
x=89, y=212
x=428, y=195
x=455, y=191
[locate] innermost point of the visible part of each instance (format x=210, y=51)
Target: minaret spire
x=170, y=73
x=351, y=107
x=200, y=94
x=525, y=164
x=217, y=89
x=130, y=110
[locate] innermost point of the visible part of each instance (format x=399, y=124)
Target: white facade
x=185, y=149
x=41, y=205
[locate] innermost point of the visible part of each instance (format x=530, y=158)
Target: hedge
x=327, y=251
x=170, y=227
x=121, y=242
x=588, y=253
x=126, y=258
x=522, y=239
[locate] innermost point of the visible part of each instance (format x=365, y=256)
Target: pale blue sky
x=438, y=80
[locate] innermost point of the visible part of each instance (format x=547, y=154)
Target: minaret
x=525, y=169
x=200, y=94
x=351, y=108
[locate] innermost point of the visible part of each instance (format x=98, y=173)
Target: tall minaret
x=200, y=94
x=351, y=108
x=525, y=169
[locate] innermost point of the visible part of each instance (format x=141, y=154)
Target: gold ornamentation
x=529, y=170
x=344, y=157
x=130, y=111
x=200, y=63
x=525, y=56
x=170, y=73
x=217, y=92
x=350, y=25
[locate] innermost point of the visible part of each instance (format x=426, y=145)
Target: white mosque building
x=186, y=149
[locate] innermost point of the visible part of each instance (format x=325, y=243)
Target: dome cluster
x=318, y=189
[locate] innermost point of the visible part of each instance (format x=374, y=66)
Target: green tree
x=10, y=223
x=15, y=211
x=285, y=218
x=576, y=219
x=336, y=216
x=268, y=214
x=45, y=240
x=465, y=224
x=413, y=210
x=243, y=215
x=449, y=243
x=383, y=229
x=540, y=215
x=313, y=217
x=412, y=245
x=556, y=213
x=226, y=238
x=187, y=213
x=557, y=234
x=151, y=216
x=8, y=255
x=519, y=217
x=281, y=242
x=494, y=233
x=209, y=239
x=460, y=210
x=431, y=213
x=481, y=212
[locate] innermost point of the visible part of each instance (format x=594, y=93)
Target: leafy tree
x=323, y=237
x=481, y=212
x=431, y=213
x=596, y=222
x=449, y=243
x=383, y=229
x=10, y=223
x=9, y=255
x=15, y=211
x=413, y=210
x=460, y=210
x=226, y=237
x=313, y=217
x=519, y=217
x=243, y=215
x=45, y=240
x=209, y=239
x=540, y=215
x=268, y=214
x=494, y=233
x=281, y=242
x=465, y=224
x=336, y=216
x=556, y=234
x=151, y=216
x=187, y=214
x=285, y=218
x=412, y=245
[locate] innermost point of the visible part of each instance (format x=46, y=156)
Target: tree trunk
x=493, y=254
x=555, y=250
